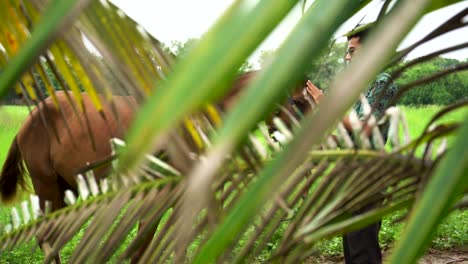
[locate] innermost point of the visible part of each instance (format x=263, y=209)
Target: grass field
x=11, y=118
x=453, y=233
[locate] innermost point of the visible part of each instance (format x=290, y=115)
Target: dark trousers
x=362, y=246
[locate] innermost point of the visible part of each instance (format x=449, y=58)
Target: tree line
x=447, y=90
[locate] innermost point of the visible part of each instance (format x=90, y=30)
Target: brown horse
x=53, y=145
x=53, y=149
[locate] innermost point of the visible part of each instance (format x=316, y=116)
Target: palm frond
x=228, y=196
x=311, y=205
x=82, y=58
x=452, y=173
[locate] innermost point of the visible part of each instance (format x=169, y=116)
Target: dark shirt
x=373, y=94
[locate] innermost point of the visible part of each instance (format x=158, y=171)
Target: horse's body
x=54, y=149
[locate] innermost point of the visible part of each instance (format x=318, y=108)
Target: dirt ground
x=459, y=256
x=445, y=257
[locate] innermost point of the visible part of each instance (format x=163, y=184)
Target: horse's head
x=296, y=105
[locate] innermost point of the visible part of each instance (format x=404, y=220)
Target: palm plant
x=228, y=202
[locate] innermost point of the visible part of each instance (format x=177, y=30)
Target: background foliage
x=447, y=90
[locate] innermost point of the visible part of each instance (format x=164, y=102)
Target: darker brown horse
x=54, y=144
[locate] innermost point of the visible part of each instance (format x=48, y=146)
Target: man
x=362, y=246
x=382, y=90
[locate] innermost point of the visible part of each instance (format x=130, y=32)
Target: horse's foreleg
x=146, y=242
x=48, y=189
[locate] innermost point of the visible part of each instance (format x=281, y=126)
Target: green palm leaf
x=230, y=196
x=437, y=201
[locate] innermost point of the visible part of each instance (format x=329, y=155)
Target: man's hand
x=314, y=91
x=365, y=127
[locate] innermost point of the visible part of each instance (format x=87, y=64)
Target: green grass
x=417, y=119
x=11, y=118
x=453, y=233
